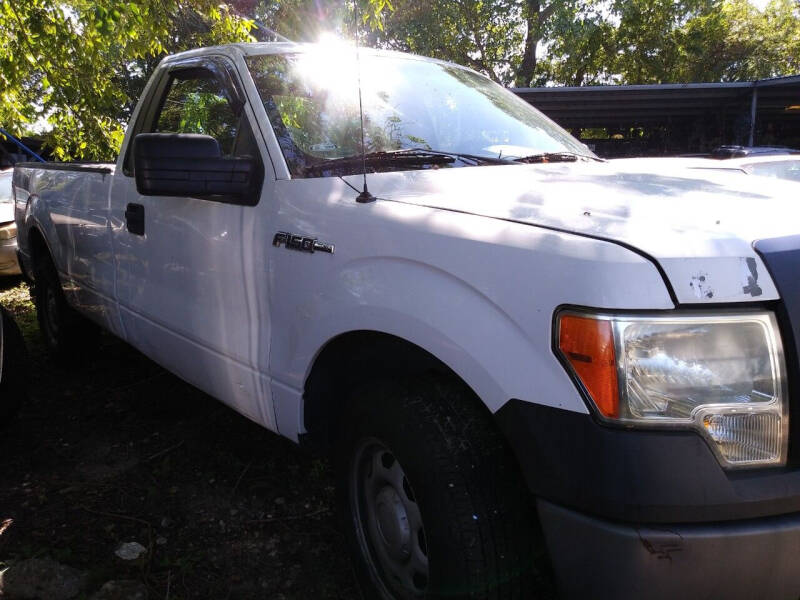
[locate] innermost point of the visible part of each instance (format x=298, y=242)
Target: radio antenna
x=364, y=197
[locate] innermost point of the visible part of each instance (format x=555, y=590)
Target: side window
x=196, y=103
x=194, y=100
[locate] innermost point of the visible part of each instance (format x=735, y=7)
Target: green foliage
x=734, y=41
x=649, y=35
x=307, y=20
x=582, y=48
x=533, y=42
x=203, y=110
x=668, y=41
x=485, y=35
x=15, y=298
x=80, y=65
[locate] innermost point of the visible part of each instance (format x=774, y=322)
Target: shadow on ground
x=117, y=450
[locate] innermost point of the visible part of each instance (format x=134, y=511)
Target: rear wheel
x=430, y=497
x=66, y=334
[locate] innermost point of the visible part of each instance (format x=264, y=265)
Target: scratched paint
x=701, y=286
x=749, y=269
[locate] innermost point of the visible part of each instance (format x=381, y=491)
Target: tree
x=648, y=37
x=706, y=40
x=482, y=34
x=664, y=41
x=80, y=65
x=307, y=20
x=581, y=47
x=736, y=42
x=536, y=17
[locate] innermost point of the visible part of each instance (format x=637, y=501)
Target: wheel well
x=38, y=247
x=350, y=360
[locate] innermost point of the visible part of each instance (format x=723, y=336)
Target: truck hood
x=699, y=226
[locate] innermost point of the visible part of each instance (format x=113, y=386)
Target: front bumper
x=638, y=475
x=596, y=558
x=633, y=513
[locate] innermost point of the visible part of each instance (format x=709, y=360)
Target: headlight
x=8, y=231
x=723, y=376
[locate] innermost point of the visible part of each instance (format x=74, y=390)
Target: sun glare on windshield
x=312, y=100
x=329, y=65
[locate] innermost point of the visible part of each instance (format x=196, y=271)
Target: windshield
x=5, y=186
x=311, y=99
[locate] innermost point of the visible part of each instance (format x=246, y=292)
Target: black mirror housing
x=188, y=164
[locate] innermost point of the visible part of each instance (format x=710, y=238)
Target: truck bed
x=91, y=167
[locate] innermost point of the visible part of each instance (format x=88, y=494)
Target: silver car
x=8, y=229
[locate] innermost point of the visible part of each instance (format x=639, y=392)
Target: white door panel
x=193, y=286
x=193, y=290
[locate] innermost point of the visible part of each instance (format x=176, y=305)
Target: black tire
x=14, y=370
x=478, y=527
x=66, y=334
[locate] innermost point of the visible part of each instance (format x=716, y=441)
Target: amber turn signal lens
x=588, y=346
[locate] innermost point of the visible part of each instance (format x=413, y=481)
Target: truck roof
x=261, y=48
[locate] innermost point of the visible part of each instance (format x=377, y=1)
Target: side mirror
x=188, y=164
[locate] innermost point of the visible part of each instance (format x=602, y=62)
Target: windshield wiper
x=405, y=157
x=411, y=157
x=552, y=157
x=476, y=158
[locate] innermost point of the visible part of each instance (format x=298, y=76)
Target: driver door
x=191, y=272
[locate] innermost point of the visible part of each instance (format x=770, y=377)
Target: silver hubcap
x=393, y=526
x=389, y=523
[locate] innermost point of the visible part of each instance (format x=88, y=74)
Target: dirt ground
x=118, y=450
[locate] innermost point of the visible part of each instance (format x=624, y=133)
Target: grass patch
x=16, y=299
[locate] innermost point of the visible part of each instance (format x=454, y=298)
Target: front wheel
x=431, y=500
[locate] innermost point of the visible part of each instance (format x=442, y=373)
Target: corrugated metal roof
x=636, y=105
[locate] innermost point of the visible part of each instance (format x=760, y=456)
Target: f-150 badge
x=303, y=244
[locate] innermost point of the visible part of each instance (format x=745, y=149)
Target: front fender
x=373, y=294
x=498, y=354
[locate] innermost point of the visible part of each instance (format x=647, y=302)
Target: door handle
x=134, y=219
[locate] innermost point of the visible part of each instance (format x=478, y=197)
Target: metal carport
x=679, y=118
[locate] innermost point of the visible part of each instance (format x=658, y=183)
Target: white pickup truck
x=516, y=353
